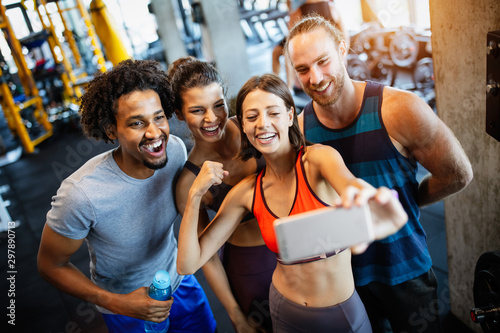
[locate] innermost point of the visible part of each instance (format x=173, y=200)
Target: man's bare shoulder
x=395, y=97
x=400, y=105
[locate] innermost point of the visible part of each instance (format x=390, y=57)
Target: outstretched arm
x=388, y=215
x=54, y=265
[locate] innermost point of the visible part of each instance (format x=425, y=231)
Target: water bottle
x=160, y=290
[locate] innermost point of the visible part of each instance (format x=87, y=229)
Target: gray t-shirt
x=126, y=222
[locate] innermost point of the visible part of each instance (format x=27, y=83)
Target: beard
x=156, y=165
x=338, y=82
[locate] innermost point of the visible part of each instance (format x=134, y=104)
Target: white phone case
x=321, y=231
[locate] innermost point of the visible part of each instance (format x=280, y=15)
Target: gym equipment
x=486, y=291
x=403, y=48
x=358, y=69
x=381, y=54
x=72, y=72
x=394, y=48
x=263, y=23
x=54, y=83
x=25, y=117
x=69, y=36
x=71, y=88
x=20, y=116
x=108, y=34
x=423, y=74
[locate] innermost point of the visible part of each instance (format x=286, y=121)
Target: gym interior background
x=445, y=51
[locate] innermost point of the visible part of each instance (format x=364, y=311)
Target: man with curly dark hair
x=121, y=203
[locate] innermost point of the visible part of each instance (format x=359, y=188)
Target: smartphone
x=321, y=231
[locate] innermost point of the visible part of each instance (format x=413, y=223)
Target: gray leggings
x=348, y=316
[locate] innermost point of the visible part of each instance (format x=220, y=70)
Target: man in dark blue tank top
x=381, y=133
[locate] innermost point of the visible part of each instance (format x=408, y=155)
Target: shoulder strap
x=256, y=192
x=234, y=120
x=192, y=167
x=261, y=163
x=373, y=89
x=308, y=116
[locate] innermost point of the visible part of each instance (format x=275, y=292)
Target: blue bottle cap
x=161, y=279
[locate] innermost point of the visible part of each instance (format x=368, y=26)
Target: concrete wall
x=166, y=13
x=459, y=29
x=223, y=32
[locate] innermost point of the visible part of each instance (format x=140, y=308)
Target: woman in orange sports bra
x=312, y=296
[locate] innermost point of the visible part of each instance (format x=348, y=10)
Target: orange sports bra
x=305, y=200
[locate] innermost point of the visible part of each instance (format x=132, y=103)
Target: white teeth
x=320, y=89
x=153, y=145
x=209, y=129
x=265, y=136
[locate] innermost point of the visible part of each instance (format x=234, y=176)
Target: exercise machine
x=25, y=115
x=487, y=292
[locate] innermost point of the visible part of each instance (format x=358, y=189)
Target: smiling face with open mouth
x=205, y=112
x=318, y=62
x=142, y=131
x=266, y=121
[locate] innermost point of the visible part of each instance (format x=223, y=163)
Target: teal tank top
x=369, y=154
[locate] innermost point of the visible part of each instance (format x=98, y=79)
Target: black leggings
x=250, y=271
